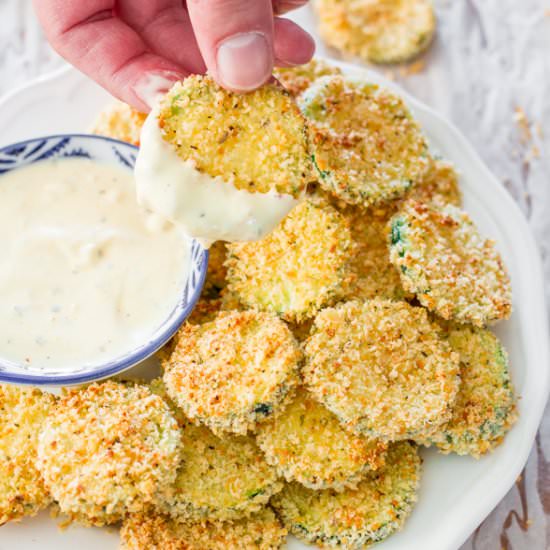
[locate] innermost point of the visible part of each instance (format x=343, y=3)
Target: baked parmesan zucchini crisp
x=297, y=79
x=371, y=273
x=485, y=407
x=255, y=141
x=367, y=148
x=120, y=121
x=234, y=371
x=22, y=414
x=297, y=269
x=356, y=518
x=439, y=185
x=380, y=31
x=221, y=478
x=107, y=450
x=448, y=265
x=262, y=531
x=382, y=369
x=307, y=443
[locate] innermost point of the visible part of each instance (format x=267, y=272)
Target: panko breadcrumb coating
x=307, y=443
x=355, y=518
x=382, y=369
x=297, y=79
x=485, y=407
x=448, y=265
x=108, y=450
x=216, y=273
x=120, y=121
x=298, y=268
x=367, y=148
x=262, y=531
x=380, y=31
x=371, y=273
x=22, y=413
x=256, y=141
x=235, y=371
x=222, y=478
x=440, y=185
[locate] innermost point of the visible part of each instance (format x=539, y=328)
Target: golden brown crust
x=366, y=146
x=108, y=449
x=448, y=265
x=120, y=121
x=262, y=531
x=256, y=141
x=380, y=31
x=297, y=79
x=298, y=268
x=382, y=368
x=22, y=488
x=235, y=371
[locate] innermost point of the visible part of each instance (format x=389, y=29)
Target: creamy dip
x=207, y=208
x=86, y=275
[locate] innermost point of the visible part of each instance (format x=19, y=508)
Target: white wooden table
x=488, y=72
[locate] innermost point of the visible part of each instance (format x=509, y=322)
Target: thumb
x=236, y=40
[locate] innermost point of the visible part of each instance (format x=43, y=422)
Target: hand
x=136, y=48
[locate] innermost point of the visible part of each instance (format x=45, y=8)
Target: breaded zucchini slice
x=120, y=121
x=107, y=450
x=366, y=146
x=452, y=269
x=297, y=79
x=355, y=519
x=256, y=141
x=22, y=414
x=222, y=478
x=216, y=273
x=382, y=368
x=440, y=185
x=298, y=268
x=307, y=443
x=235, y=371
x=371, y=273
x=485, y=407
x=262, y=531
x=380, y=31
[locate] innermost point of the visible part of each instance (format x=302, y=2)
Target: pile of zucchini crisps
x=317, y=360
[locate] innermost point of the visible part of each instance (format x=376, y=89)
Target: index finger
x=91, y=37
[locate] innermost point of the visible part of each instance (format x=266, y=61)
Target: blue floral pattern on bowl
x=122, y=154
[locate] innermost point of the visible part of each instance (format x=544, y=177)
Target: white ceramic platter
x=456, y=493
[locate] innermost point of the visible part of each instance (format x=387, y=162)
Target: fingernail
x=245, y=61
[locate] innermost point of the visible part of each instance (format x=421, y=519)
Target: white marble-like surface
x=491, y=58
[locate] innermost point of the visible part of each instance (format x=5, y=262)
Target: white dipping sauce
x=85, y=274
x=207, y=208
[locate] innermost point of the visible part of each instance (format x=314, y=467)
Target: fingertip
x=292, y=44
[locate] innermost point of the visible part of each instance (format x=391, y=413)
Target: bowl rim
x=132, y=358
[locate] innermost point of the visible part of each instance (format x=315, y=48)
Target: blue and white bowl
x=122, y=154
